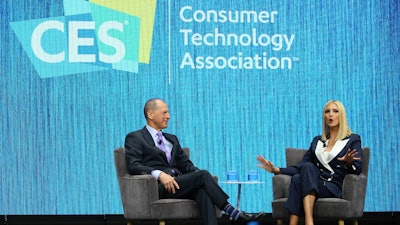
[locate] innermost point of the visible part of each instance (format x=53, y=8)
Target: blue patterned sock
x=233, y=213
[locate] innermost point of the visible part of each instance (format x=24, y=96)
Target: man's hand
x=169, y=182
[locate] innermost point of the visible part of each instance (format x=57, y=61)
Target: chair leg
x=355, y=222
x=279, y=222
x=129, y=223
x=341, y=222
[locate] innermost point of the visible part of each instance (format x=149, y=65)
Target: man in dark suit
x=150, y=151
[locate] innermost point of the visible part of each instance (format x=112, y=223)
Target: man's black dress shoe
x=259, y=216
x=243, y=219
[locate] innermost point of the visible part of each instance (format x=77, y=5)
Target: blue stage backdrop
x=241, y=78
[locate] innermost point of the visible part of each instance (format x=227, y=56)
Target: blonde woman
x=320, y=173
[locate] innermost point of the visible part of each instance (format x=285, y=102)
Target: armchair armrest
x=354, y=190
x=354, y=186
x=280, y=184
x=137, y=194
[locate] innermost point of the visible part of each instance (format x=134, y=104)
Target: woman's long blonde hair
x=344, y=129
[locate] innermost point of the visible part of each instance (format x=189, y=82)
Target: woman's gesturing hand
x=350, y=156
x=267, y=165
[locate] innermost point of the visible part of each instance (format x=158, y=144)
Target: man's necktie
x=161, y=146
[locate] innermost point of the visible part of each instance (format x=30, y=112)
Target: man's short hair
x=150, y=104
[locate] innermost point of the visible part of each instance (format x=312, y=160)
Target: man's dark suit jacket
x=142, y=155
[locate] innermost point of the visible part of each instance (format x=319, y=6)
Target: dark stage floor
x=369, y=218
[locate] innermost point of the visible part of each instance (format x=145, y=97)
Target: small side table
x=239, y=183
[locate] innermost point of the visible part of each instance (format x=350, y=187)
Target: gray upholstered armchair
x=350, y=206
x=140, y=201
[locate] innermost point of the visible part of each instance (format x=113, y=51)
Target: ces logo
x=75, y=41
x=93, y=35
